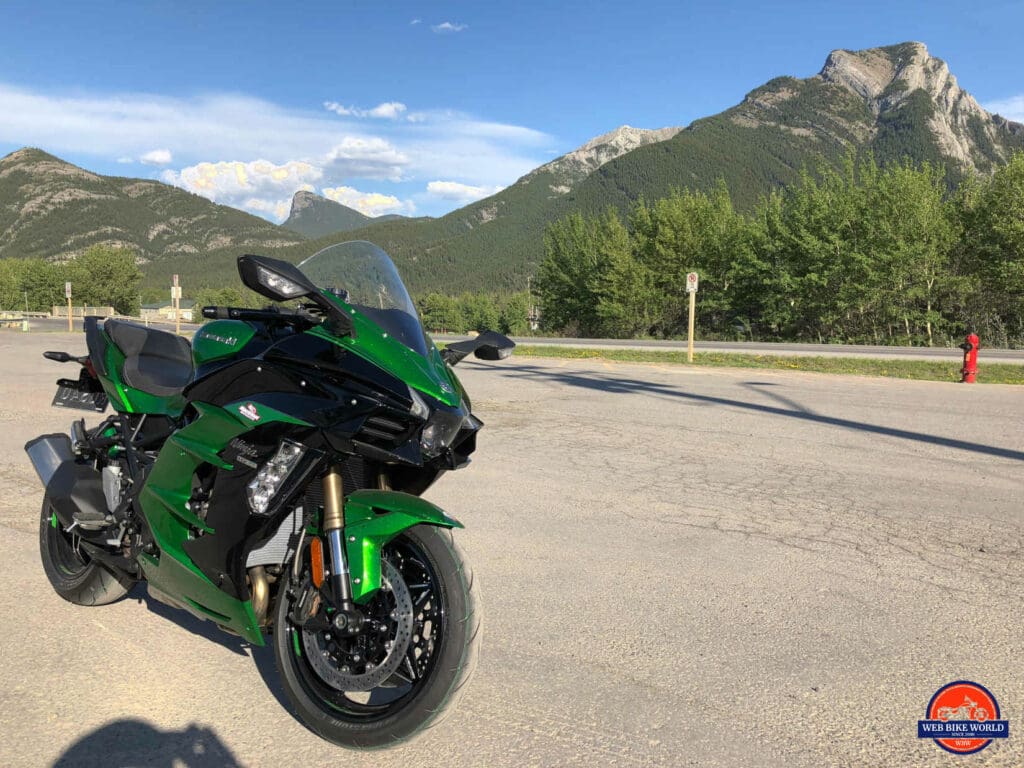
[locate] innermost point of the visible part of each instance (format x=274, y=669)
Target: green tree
x=479, y=310
x=44, y=284
x=514, y=317
x=105, y=276
x=565, y=276
x=442, y=313
x=11, y=293
x=991, y=254
x=621, y=284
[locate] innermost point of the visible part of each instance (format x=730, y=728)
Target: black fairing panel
x=221, y=555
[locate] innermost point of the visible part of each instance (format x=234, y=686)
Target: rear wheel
x=72, y=574
x=411, y=661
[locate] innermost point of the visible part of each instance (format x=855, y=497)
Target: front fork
x=334, y=530
x=347, y=618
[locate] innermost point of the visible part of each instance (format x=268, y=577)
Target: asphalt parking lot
x=709, y=567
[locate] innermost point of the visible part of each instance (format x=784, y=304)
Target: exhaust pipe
x=47, y=453
x=75, y=490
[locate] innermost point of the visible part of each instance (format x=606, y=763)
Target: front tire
x=71, y=573
x=446, y=635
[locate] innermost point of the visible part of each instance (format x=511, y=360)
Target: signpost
x=67, y=295
x=691, y=288
x=176, y=300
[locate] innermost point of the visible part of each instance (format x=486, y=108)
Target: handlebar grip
x=216, y=313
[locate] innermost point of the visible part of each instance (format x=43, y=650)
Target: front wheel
x=411, y=661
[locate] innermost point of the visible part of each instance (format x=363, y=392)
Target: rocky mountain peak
x=573, y=167
x=303, y=199
x=884, y=76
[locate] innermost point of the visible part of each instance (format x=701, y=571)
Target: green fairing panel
x=220, y=339
x=372, y=519
x=164, y=503
x=429, y=375
x=123, y=398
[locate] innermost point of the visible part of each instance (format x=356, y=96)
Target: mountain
x=897, y=102
x=315, y=216
x=51, y=208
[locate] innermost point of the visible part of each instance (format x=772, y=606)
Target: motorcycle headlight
x=262, y=489
x=441, y=429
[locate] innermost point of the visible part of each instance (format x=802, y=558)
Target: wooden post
x=691, y=288
x=176, y=298
x=693, y=310
x=67, y=293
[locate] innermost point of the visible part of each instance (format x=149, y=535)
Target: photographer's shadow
x=138, y=744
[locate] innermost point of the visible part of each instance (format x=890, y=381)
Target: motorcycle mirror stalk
x=282, y=281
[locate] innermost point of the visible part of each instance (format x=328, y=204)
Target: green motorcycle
x=268, y=478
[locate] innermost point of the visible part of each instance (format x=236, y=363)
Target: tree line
x=855, y=254
x=100, y=277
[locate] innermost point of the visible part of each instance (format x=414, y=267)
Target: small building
x=165, y=311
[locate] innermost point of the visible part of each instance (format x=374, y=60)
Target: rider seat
x=156, y=362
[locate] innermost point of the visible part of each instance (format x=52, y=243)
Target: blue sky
x=419, y=108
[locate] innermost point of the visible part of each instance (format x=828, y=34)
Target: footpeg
x=89, y=520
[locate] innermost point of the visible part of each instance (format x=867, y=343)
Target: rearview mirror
x=489, y=345
x=273, y=278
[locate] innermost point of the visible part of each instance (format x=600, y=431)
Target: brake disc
x=323, y=660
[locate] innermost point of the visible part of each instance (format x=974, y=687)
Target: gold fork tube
x=334, y=500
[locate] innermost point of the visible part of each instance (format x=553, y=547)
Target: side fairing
x=220, y=339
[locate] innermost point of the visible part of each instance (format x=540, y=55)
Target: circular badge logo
x=963, y=718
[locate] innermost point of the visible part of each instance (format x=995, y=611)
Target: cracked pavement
x=709, y=567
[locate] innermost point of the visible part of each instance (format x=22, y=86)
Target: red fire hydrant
x=970, y=348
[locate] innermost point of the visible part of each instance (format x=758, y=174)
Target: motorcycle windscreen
x=363, y=275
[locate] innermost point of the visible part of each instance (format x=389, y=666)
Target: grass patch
x=925, y=370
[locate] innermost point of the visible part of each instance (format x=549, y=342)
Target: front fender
x=372, y=519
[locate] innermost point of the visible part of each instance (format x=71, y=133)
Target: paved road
x=58, y=325
x=680, y=567
x=753, y=347
x=772, y=348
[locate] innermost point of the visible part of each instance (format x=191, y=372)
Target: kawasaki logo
x=229, y=341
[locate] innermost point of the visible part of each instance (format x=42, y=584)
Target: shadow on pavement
x=135, y=743
x=616, y=385
x=263, y=657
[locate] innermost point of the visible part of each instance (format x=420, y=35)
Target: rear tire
x=71, y=573
x=404, y=712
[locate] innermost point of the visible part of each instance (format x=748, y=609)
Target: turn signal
x=316, y=557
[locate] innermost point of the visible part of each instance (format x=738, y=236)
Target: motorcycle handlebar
x=279, y=315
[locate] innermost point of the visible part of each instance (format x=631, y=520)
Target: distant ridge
x=315, y=216
x=53, y=209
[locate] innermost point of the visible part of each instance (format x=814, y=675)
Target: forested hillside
x=52, y=209
x=863, y=254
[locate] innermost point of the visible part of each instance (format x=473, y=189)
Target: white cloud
x=276, y=210
x=209, y=137
x=390, y=110
x=414, y=22
x=460, y=193
x=372, y=158
x=368, y=203
x=258, y=186
x=1011, y=108
x=157, y=157
x=447, y=27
